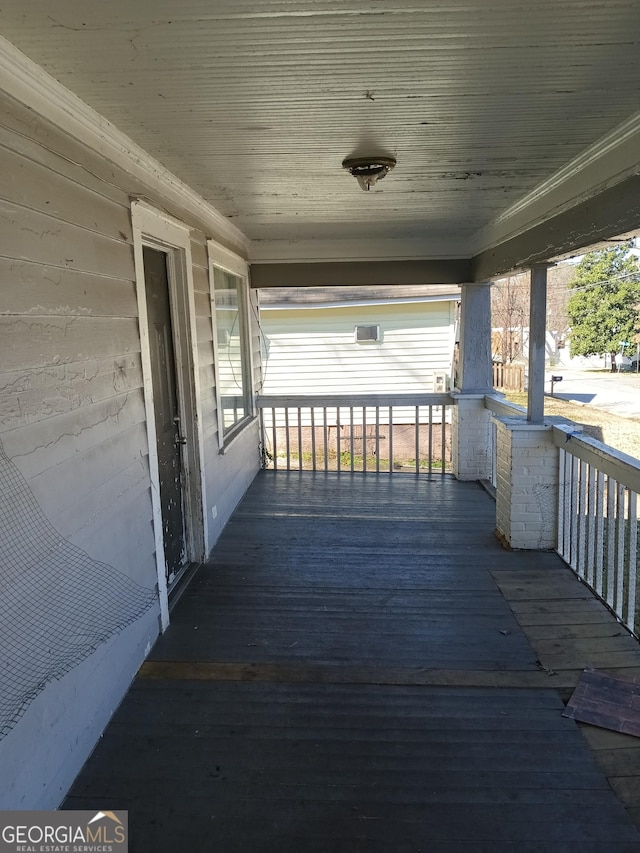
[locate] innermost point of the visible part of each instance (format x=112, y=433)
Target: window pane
x=232, y=354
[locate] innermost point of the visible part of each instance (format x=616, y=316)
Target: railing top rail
x=502, y=407
x=288, y=401
x=623, y=468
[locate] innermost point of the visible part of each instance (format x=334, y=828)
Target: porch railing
x=362, y=432
x=597, y=506
x=598, y=519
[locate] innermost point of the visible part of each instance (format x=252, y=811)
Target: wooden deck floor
x=361, y=667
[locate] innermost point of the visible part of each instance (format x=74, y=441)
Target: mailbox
x=555, y=379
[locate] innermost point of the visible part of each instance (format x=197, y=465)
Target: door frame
x=158, y=230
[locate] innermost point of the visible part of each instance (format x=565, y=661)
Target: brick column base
x=527, y=484
x=471, y=437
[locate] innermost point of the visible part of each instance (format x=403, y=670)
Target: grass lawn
x=621, y=433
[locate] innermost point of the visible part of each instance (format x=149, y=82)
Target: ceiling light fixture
x=368, y=170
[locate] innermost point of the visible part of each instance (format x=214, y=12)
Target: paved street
x=618, y=393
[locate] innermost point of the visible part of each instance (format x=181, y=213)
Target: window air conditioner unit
x=365, y=334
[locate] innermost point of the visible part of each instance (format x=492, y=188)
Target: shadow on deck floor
x=361, y=667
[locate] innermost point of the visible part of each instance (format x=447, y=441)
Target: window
x=232, y=345
x=365, y=334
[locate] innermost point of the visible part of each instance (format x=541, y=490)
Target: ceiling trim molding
x=360, y=273
x=28, y=83
x=610, y=160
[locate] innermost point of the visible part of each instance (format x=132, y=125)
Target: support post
x=475, y=339
x=471, y=425
x=537, y=335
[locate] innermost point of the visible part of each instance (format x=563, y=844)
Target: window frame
x=224, y=259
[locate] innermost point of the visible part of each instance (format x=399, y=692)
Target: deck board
x=369, y=592
x=346, y=674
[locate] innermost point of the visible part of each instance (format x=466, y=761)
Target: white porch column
x=471, y=421
x=537, y=349
x=475, y=339
x=527, y=459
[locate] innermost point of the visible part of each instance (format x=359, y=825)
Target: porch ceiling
x=513, y=124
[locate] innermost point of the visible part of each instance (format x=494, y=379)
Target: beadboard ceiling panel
x=255, y=103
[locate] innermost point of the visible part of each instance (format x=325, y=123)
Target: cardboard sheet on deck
x=606, y=701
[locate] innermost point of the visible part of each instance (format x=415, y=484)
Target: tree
x=509, y=316
x=602, y=308
x=558, y=278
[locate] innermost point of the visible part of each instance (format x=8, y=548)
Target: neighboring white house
x=341, y=340
x=350, y=341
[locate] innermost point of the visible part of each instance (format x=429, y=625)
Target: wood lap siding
x=71, y=387
x=416, y=340
x=73, y=417
x=72, y=412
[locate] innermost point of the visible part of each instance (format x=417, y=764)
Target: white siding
x=72, y=417
x=313, y=350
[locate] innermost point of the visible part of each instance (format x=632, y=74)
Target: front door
x=167, y=411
